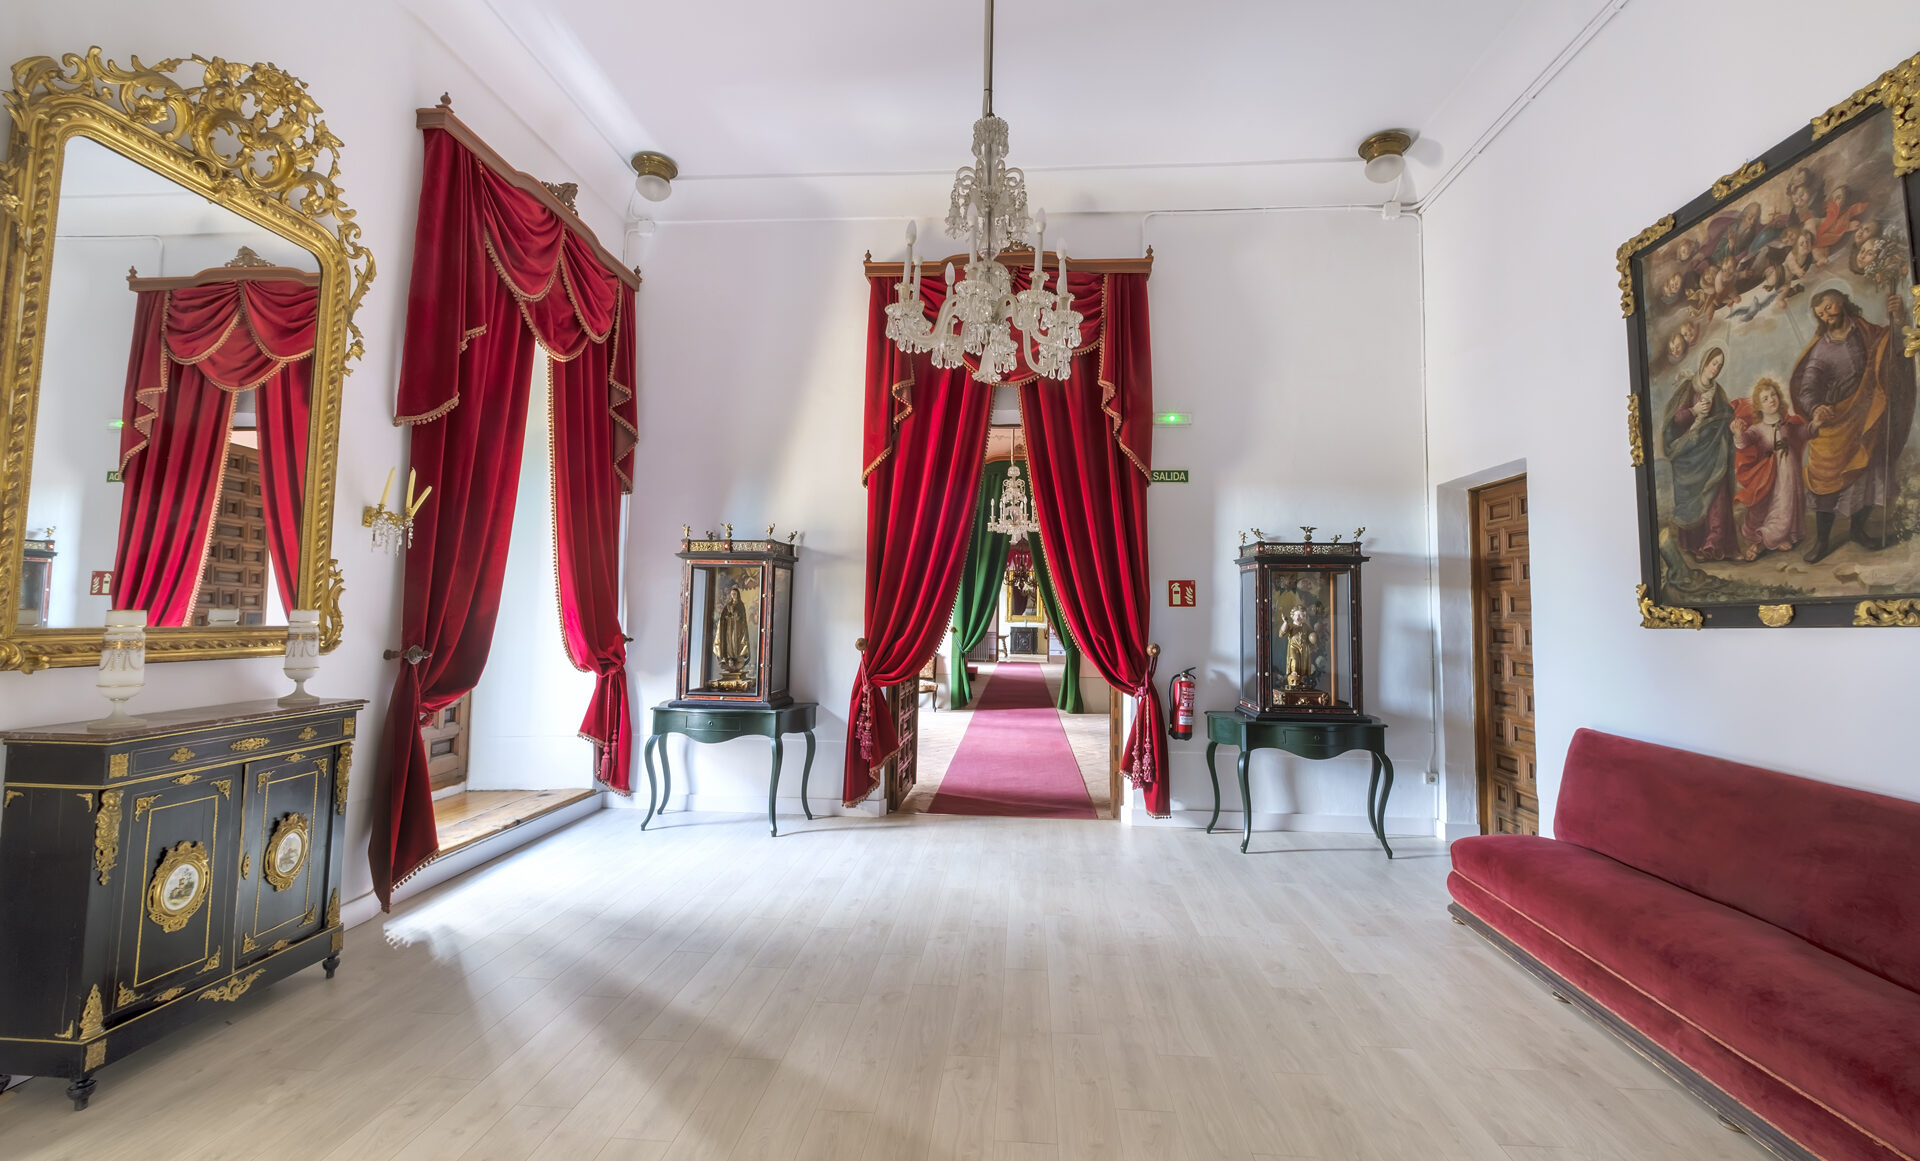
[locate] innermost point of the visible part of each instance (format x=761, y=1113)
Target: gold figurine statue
x=730, y=636
x=1300, y=641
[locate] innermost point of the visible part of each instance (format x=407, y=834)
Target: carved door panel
x=1503, y=660
x=446, y=739
x=283, y=865
x=903, y=770
x=236, y=572
x=177, y=910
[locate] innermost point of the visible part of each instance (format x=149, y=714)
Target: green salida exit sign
x=1168, y=475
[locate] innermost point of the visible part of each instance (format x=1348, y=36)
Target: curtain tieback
x=414, y=655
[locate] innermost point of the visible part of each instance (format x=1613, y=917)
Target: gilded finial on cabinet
x=728, y=529
x=769, y=532
x=1307, y=531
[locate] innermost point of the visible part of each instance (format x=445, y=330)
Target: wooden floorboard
x=466, y=818
x=918, y=987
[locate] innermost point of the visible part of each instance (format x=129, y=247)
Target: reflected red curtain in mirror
x=193, y=349
x=495, y=272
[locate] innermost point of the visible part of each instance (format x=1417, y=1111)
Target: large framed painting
x=1772, y=327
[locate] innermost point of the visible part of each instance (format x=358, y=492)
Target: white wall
x=1294, y=338
x=525, y=731
x=1526, y=361
x=369, y=66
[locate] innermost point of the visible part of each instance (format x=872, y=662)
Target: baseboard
x=1731, y=1112
x=823, y=805
x=1460, y=830
x=358, y=911
x=1401, y=827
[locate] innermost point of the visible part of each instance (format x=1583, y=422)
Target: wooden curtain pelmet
x=442, y=117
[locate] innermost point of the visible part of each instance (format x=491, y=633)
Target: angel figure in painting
x=1767, y=441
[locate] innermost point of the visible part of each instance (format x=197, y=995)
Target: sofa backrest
x=1838, y=867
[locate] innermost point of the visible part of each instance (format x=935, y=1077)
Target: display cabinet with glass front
x=1300, y=628
x=736, y=618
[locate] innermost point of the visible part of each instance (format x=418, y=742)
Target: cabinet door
x=283, y=861
x=176, y=912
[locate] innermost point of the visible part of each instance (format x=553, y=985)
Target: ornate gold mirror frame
x=247, y=138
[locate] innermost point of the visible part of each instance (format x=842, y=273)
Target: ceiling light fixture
x=1384, y=153
x=653, y=175
x=981, y=311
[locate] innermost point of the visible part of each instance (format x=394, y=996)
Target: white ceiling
x=837, y=108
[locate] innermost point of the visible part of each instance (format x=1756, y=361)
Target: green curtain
x=979, y=584
x=1069, y=700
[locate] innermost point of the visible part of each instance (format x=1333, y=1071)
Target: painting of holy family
x=1772, y=329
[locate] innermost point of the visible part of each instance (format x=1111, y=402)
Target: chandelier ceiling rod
x=986, y=99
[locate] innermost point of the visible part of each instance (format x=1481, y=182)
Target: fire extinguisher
x=1180, y=693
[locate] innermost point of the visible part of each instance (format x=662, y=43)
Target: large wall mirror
x=180, y=276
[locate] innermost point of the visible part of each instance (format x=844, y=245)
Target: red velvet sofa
x=1757, y=935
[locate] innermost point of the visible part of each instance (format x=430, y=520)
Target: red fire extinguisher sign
x=1182, y=594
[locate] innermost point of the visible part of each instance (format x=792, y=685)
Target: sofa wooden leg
x=1561, y=998
x=1457, y=920
x=1730, y=1127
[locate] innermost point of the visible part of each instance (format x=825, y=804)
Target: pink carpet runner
x=1014, y=760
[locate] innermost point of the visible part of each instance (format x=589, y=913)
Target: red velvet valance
x=501, y=235
x=1125, y=379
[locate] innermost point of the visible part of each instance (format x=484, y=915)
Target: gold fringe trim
x=429, y=417
x=1784, y=1083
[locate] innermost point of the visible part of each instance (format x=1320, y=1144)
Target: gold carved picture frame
x=248, y=138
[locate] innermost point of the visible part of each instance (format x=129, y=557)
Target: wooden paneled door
x=236, y=572
x=902, y=771
x=446, y=739
x=1503, y=659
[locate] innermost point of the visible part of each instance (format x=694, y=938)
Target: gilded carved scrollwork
x=1887, y=614
x=342, y=777
x=1628, y=249
x=1776, y=616
x=106, y=834
x=1745, y=175
x=1898, y=91
x=233, y=989
x=246, y=137
x=1654, y=616
x=93, y=1018
x=1636, y=444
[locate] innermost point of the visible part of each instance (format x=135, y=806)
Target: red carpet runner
x=1014, y=760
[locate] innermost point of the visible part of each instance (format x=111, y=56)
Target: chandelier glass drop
x=1013, y=515
x=981, y=312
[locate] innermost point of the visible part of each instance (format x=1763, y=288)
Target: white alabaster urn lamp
x=303, y=654
x=123, y=665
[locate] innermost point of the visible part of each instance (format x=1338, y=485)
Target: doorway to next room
x=1004, y=728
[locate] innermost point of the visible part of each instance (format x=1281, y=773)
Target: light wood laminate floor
x=890, y=990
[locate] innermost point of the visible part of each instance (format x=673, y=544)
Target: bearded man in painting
x=1855, y=385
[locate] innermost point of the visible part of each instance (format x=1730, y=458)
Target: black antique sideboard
x=151, y=874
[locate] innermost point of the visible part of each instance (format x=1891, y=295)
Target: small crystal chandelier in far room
x=1013, y=515
x=981, y=311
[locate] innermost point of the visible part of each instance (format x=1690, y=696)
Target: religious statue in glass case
x=736, y=617
x=1300, y=627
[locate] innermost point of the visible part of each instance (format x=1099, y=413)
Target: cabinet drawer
x=192, y=753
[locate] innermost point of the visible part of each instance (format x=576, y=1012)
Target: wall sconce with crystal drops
x=393, y=529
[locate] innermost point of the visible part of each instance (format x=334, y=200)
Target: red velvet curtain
x=193, y=348
x=1089, y=444
x=1090, y=495
x=930, y=427
x=495, y=273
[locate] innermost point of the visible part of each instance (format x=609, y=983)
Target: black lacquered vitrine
x=736, y=620
x=1300, y=654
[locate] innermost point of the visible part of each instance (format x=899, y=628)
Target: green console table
x=1307, y=739
x=723, y=724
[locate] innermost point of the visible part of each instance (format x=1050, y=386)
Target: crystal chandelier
x=1013, y=515
x=981, y=312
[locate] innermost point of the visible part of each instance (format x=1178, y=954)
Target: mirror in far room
x=171, y=438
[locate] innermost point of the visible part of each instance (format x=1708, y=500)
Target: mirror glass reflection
x=170, y=446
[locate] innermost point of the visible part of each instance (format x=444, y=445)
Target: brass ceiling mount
x=650, y=164
x=1387, y=141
